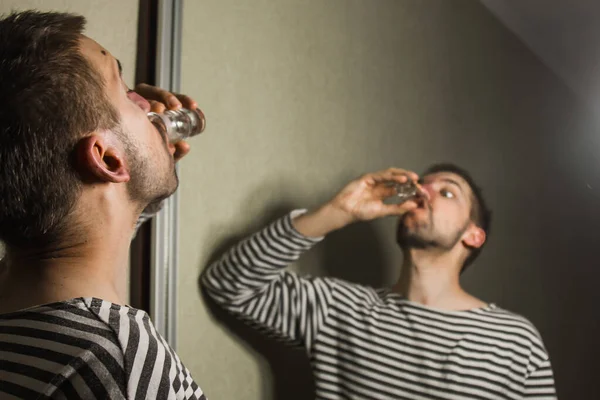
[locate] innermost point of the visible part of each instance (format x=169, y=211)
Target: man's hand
x=361, y=200
x=161, y=100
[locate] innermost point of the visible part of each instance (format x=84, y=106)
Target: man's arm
x=145, y=216
x=251, y=282
x=539, y=384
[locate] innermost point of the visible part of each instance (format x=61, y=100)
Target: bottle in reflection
x=179, y=124
x=406, y=191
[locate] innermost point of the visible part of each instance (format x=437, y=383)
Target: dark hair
x=481, y=215
x=50, y=97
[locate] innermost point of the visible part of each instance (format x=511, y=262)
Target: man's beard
x=147, y=185
x=424, y=236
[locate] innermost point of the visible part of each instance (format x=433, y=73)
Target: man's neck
x=93, y=266
x=432, y=279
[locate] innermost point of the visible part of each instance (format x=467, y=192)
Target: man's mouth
x=423, y=209
x=422, y=202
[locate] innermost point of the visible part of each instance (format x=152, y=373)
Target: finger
x=385, y=177
x=403, y=172
x=382, y=210
x=394, y=175
x=399, y=209
x=156, y=106
x=158, y=94
x=182, y=148
x=187, y=101
x=384, y=191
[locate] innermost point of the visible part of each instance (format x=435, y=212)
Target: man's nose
x=424, y=191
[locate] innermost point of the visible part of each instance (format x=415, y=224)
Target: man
x=425, y=338
x=80, y=161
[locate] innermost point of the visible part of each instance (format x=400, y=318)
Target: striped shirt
x=87, y=348
x=366, y=343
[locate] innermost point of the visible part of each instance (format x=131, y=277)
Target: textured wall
x=301, y=96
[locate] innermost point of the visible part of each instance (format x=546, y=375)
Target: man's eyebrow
x=447, y=180
x=452, y=182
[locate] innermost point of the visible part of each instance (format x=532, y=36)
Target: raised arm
x=251, y=281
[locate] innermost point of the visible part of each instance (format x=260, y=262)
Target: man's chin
x=154, y=207
x=411, y=234
x=412, y=241
x=158, y=202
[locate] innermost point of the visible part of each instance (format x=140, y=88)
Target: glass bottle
x=179, y=124
x=407, y=190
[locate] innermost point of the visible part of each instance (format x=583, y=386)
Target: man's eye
x=446, y=193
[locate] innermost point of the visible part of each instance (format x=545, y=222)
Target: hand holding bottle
x=360, y=200
x=162, y=101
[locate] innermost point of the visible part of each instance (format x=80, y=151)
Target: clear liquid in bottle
x=179, y=124
x=404, y=191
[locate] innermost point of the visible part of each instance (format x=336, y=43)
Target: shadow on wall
x=343, y=255
x=355, y=254
x=567, y=272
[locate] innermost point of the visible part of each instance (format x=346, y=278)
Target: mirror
x=303, y=96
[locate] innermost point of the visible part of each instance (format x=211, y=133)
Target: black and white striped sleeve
x=250, y=281
x=539, y=384
x=145, y=216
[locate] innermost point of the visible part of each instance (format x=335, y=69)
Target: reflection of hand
x=361, y=200
x=161, y=100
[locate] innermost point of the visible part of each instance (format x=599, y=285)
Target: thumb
x=399, y=209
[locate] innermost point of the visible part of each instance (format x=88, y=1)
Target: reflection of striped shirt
x=365, y=343
x=88, y=349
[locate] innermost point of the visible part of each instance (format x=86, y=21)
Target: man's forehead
x=100, y=59
x=90, y=44
x=447, y=176
x=93, y=50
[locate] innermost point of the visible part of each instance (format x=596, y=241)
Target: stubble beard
x=424, y=236
x=148, y=185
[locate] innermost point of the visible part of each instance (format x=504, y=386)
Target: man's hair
x=50, y=97
x=481, y=215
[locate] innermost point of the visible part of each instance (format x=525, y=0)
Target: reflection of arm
x=540, y=382
x=250, y=281
x=150, y=211
x=143, y=218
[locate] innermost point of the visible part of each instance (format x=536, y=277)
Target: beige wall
x=301, y=96
x=112, y=23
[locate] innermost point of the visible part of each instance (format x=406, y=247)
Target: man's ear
x=99, y=159
x=474, y=237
